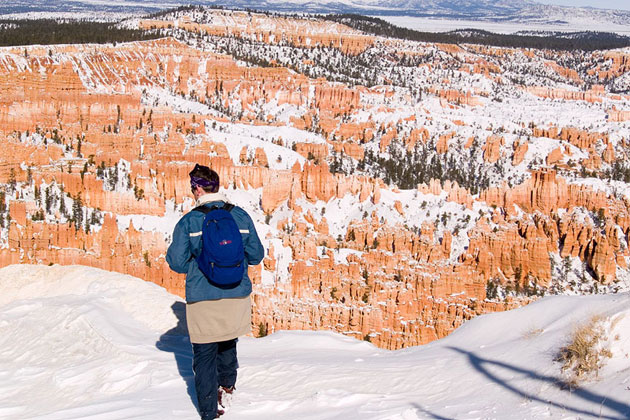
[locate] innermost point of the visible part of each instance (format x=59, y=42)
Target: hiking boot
x=225, y=396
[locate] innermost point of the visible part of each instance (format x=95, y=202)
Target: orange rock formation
x=72, y=114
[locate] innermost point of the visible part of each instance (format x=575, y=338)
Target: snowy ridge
x=79, y=343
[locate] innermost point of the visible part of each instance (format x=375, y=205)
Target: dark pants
x=214, y=364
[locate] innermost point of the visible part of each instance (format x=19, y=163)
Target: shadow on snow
x=489, y=368
x=177, y=341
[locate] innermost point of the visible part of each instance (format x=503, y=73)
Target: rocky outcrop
x=616, y=115
x=554, y=156
x=617, y=64
x=492, y=148
x=571, y=95
x=520, y=149
x=546, y=193
x=457, y=98
x=272, y=30
x=579, y=138
x=442, y=143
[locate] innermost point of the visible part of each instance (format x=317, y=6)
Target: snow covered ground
x=78, y=342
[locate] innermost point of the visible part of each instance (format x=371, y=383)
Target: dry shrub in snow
x=585, y=353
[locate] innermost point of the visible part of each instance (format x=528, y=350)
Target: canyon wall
x=98, y=141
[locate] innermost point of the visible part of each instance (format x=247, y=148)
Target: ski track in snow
x=83, y=343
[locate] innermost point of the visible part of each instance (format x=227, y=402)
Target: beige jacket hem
x=213, y=321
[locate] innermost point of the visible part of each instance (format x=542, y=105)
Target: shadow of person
x=502, y=373
x=177, y=341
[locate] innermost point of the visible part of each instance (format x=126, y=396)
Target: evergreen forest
x=50, y=32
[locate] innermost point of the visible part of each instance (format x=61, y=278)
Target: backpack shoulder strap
x=205, y=209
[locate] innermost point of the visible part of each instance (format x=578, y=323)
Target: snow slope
x=78, y=342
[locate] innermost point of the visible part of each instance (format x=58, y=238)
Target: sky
x=601, y=4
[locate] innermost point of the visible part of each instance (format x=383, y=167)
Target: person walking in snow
x=218, y=309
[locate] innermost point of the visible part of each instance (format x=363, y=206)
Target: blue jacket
x=187, y=244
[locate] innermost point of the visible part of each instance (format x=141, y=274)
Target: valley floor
x=445, y=25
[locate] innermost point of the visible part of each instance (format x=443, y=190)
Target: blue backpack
x=222, y=254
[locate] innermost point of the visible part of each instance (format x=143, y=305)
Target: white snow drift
x=78, y=342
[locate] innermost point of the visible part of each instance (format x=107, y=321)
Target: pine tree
x=47, y=199
x=12, y=180
x=77, y=211
x=62, y=204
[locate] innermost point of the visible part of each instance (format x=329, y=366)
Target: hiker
x=218, y=306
